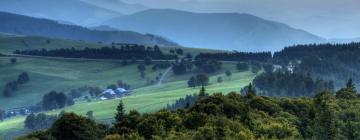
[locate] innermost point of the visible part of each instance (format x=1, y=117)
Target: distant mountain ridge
x=72, y=11
x=230, y=31
x=118, y=6
x=24, y=25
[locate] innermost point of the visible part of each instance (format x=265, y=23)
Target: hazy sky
x=327, y=18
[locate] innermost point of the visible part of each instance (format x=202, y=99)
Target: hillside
x=10, y=43
x=23, y=25
x=229, y=31
x=77, y=12
x=77, y=73
x=118, y=6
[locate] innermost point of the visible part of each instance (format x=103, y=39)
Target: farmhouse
x=110, y=93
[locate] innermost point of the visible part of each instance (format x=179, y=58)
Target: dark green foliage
x=38, y=135
x=94, y=91
x=231, y=116
x=141, y=67
x=202, y=92
x=12, y=86
x=73, y=127
x=192, y=82
x=199, y=80
x=179, y=51
x=23, y=78
x=185, y=102
x=219, y=79
x=54, y=100
x=290, y=85
x=208, y=66
x=242, y=66
x=228, y=73
x=236, y=56
x=13, y=60
x=179, y=68
x=349, y=92
x=336, y=62
x=148, y=60
x=325, y=121
x=112, y=86
x=90, y=115
x=122, y=84
x=123, y=52
x=255, y=67
x=2, y=115
x=39, y=121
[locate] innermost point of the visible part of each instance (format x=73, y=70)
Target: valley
x=179, y=70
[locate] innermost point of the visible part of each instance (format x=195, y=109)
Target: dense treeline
x=198, y=80
x=345, y=52
x=287, y=84
x=336, y=62
x=236, y=56
x=55, y=100
x=12, y=86
x=231, y=116
x=39, y=121
x=188, y=101
x=124, y=52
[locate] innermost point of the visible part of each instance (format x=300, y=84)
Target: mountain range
x=68, y=11
x=232, y=31
x=24, y=25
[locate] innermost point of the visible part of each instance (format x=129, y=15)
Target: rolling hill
x=94, y=73
x=24, y=25
x=230, y=31
x=77, y=12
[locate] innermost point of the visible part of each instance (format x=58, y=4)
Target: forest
x=126, y=52
x=236, y=56
x=336, y=62
x=327, y=116
x=285, y=84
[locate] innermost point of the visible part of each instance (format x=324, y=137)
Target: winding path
x=163, y=75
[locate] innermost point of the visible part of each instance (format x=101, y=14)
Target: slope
x=230, y=31
x=118, y=6
x=23, y=25
x=77, y=12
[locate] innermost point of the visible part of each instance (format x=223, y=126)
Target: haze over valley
x=179, y=69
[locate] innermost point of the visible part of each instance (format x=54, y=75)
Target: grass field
x=146, y=99
x=63, y=75
x=46, y=75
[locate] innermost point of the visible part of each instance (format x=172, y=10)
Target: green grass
x=64, y=75
x=46, y=75
x=10, y=43
x=146, y=99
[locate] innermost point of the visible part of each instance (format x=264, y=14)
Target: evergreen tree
x=325, y=121
x=2, y=115
x=228, y=73
x=202, y=92
x=347, y=93
x=120, y=112
x=351, y=86
x=30, y=121
x=250, y=91
x=192, y=82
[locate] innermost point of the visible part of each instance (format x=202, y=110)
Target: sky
x=326, y=18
